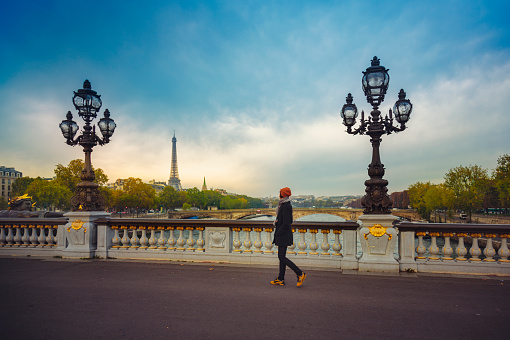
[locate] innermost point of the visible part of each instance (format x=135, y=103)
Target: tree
x=69, y=176
x=169, y=198
x=139, y=194
x=3, y=204
x=501, y=176
x=120, y=200
x=233, y=202
x=108, y=196
x=49, y=194
x=491, y=195
x=438, y=197
x=254, y=203
x=226, y=203
x=213, y=198
x=468, y=186
x=417, y=192
x=196, y=198
x=20, y=185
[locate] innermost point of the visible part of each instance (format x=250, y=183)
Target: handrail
x=30, y=220
x=349, y=225
x=454, y=227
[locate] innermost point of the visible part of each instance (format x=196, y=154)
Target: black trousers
x=284, y=262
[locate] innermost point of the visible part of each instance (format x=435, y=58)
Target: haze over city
x=253, y=90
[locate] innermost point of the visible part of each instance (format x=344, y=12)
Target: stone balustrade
x=422, y=247
x=232, y=241
x=458, y=248
x=30, y=236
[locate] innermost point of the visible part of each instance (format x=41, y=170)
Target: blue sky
x=253, y=89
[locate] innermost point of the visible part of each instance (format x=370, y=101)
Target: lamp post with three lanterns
x=375, y=82
x=88, y=103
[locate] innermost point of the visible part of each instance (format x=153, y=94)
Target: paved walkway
x=64, y=299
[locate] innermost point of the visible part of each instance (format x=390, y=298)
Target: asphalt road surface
x=82, y=299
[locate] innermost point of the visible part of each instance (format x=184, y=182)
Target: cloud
x=254, y=92
x=459, y=120
x=32, y=140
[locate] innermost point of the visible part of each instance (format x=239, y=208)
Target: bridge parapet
x=446, y=248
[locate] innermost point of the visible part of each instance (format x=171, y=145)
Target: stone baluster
x=200, y=241
x=50, y=239
x=325, y=243
x=153, y=241
x=447, y=249
x=461, y=250
x=171, y=240
x=269, y=241
x=337, y=247
x=258, y=242
x=26, y=235
x=9, y=239
x=503, y=251
x=2, y=235
x=33, y=237
x=237, y=240
x=55, y=235
x=475, y=250
x=302, y=243
x=489, y=250
x=290, y=249
x=180, y=240
x=134, y=237
x=190, y=242
x=116, y=238
x=313, y=243
x=42, y=235
x=17, y=235
x=161, y=240
x=144, y=240
x=420, y=250
x=125, y=237
x=433, y=249
x=247, y=242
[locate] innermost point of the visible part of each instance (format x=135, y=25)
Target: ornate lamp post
x=88, y=103
x=375, y=83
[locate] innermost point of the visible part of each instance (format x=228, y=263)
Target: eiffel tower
x=174, y=180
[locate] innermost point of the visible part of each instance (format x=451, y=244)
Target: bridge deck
x=63, y=299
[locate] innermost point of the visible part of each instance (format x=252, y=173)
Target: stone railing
x=412, y=247
x=31, y=236
x=457, y=248
x=232, y=241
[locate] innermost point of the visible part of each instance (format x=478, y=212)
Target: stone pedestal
x=407, y=252
x=349, y=259
x=80, y=234
x=378, y=239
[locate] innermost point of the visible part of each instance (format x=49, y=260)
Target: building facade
x=158, y=186
x=117, y=185
x=7, y=177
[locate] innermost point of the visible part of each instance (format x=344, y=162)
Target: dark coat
x=283, y=233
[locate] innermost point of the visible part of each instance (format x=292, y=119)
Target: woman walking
x=283, y=238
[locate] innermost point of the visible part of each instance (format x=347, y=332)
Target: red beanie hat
x=284, y=192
